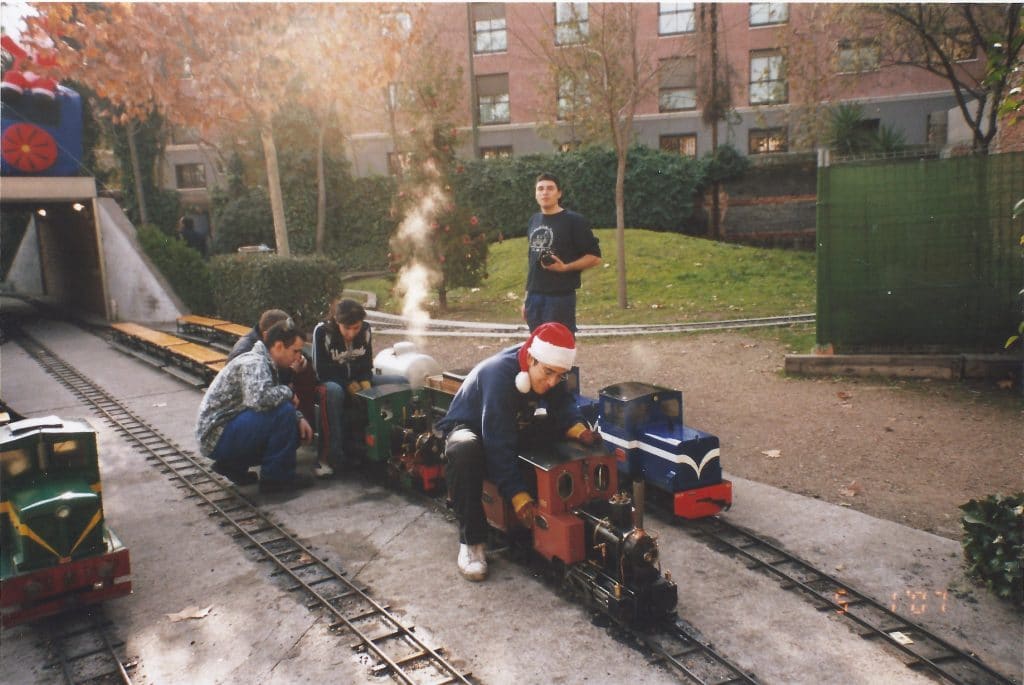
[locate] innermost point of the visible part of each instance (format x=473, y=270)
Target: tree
x=944, y=39
x=599, y=73
x=438, y=244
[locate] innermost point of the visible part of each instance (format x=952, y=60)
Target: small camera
x=547, y=258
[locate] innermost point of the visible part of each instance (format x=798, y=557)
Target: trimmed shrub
x=244, y=219
x=993, y=544
x=660, y=188
x=182, y=266
x=360, y=224
x=248, y=284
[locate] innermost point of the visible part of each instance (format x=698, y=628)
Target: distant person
x=188, y=234
x=249, y=418
x=491, y=414
x=561, y=245
x=300, y=375
x=343, y=359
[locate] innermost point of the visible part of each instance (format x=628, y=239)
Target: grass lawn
x=669, y=278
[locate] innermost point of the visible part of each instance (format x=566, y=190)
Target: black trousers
x=464, y=472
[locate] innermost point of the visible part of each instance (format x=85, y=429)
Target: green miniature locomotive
x=56, y=551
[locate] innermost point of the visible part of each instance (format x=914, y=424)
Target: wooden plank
x=196, y=320
x=149, y=335
x=200, y=354
x=233, y=329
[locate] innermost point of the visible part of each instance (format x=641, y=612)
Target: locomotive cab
x=643, y=423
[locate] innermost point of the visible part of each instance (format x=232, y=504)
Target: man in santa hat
x=489, y=416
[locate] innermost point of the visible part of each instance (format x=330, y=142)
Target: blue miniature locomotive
x=643, y=424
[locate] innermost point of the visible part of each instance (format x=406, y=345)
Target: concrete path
x=510, y=629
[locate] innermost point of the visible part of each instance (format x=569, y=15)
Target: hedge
x=993, y=544
x=248, y=284
x=182, y=266
x=660, y=192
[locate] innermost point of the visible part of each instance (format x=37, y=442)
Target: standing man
x=561, y=245
x=491, y=413
x=248, y=418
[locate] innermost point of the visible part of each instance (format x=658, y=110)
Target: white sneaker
x=322, y=470
x=472, y=562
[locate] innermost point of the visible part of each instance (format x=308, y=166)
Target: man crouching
x=248, y=418
x=493, y=409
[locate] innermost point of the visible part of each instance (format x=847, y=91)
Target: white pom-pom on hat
x=550, y=343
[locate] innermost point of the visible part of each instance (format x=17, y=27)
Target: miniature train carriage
x=56, y=551
x=643, y=424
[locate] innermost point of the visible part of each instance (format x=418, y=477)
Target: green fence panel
x=919, y=256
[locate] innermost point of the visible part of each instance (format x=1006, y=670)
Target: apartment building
x=508, y=89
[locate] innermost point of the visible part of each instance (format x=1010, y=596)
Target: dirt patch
x=906, y=451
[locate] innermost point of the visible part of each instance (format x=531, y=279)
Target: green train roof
x=51, y=425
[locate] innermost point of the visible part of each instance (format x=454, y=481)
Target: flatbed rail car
x=56, y=550
x=196, y=363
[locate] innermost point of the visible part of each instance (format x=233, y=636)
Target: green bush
x=660, y=188
x=360, y=224
x=248, y=284
x=993, y=544
x=243, y=219
x=182, y=266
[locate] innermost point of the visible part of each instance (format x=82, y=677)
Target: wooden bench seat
x=158, y=338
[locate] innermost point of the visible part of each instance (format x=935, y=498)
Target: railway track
x=396, y=325
x=921, y=649
x=392, y=647
x=84, y=648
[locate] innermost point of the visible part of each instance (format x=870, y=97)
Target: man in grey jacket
x=248, y=418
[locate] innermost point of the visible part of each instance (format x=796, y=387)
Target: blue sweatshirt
x=489, y=404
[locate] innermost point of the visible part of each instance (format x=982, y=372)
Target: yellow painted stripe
x=31, y=534
x=5, y=507
x=96, y=518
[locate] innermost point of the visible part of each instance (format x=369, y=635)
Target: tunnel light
x=41, y=212
x=78, y=206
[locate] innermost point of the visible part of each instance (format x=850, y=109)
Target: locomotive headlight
x=63, y=512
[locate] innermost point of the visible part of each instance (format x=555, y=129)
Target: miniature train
x=587, y=526
x=56, y=550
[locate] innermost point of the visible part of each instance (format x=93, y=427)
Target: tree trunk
x=620, y=222
x=274, y=188
x=133, y=156
x=321, y=192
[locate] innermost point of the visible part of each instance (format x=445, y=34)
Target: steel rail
x=831, y=593
x=390, y=324
x=675, y=646
x=269, y=538
x=83, y=649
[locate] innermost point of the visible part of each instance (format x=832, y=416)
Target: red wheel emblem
x=29, y=148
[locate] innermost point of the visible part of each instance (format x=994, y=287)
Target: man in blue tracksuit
x=492, y=411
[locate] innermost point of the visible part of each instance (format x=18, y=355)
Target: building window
x=936, y=124
x=190, y=176
x=960, y=47
x=857, y=56
x=489, y=31
x=678, y=84
x=767, y=78
x=684, y=144
x=492, y=99
x=572, y=96
x=398, y=162
x=768, y=13
x=765, y=140
x=396, y=24
x=496, y=152
x=570, y=22
x=675, y=17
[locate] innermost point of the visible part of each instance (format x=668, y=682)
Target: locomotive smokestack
x=639, y=495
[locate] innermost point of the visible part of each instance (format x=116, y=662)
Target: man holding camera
x=561, y=245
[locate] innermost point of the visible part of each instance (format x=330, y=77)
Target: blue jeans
x=332, y=415
x=267, y=439
x=541, y=308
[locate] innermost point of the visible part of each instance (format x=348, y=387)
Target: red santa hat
x=550, y=343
